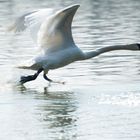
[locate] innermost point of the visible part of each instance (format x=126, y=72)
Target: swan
x=52, y=33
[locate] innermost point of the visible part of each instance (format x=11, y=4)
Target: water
x=101, y=97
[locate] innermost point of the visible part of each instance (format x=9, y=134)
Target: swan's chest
x=61, y=58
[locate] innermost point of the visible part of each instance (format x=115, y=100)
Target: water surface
x=101, y=97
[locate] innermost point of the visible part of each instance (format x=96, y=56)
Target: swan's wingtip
x=74, y=6
x=77, y=5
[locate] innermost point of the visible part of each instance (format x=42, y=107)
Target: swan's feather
x=32, y=21
x=51, y=31
x=19, y=24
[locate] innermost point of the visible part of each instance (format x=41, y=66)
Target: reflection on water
x=53, y=115
x=36, y=115
x=59, y=114
x=101, y=97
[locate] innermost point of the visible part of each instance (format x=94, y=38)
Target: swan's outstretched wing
x=19, y=23
x=51, y=31
x=55, y=33
x=32, y=21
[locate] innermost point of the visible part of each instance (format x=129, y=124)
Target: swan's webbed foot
x=25, y=79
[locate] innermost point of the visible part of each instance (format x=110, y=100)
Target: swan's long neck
x=133, y=47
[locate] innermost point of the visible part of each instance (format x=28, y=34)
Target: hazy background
x=101, y=97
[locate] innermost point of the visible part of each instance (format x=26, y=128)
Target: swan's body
x=52, y=33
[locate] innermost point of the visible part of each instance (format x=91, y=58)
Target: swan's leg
x=46, y=78
x=25, y=79
x=50, y=80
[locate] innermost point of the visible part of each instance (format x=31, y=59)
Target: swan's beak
x=65, y=16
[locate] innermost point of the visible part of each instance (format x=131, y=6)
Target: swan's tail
x=28, y=65
x=23, y=67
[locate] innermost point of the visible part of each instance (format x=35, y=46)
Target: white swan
x=52, y=32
